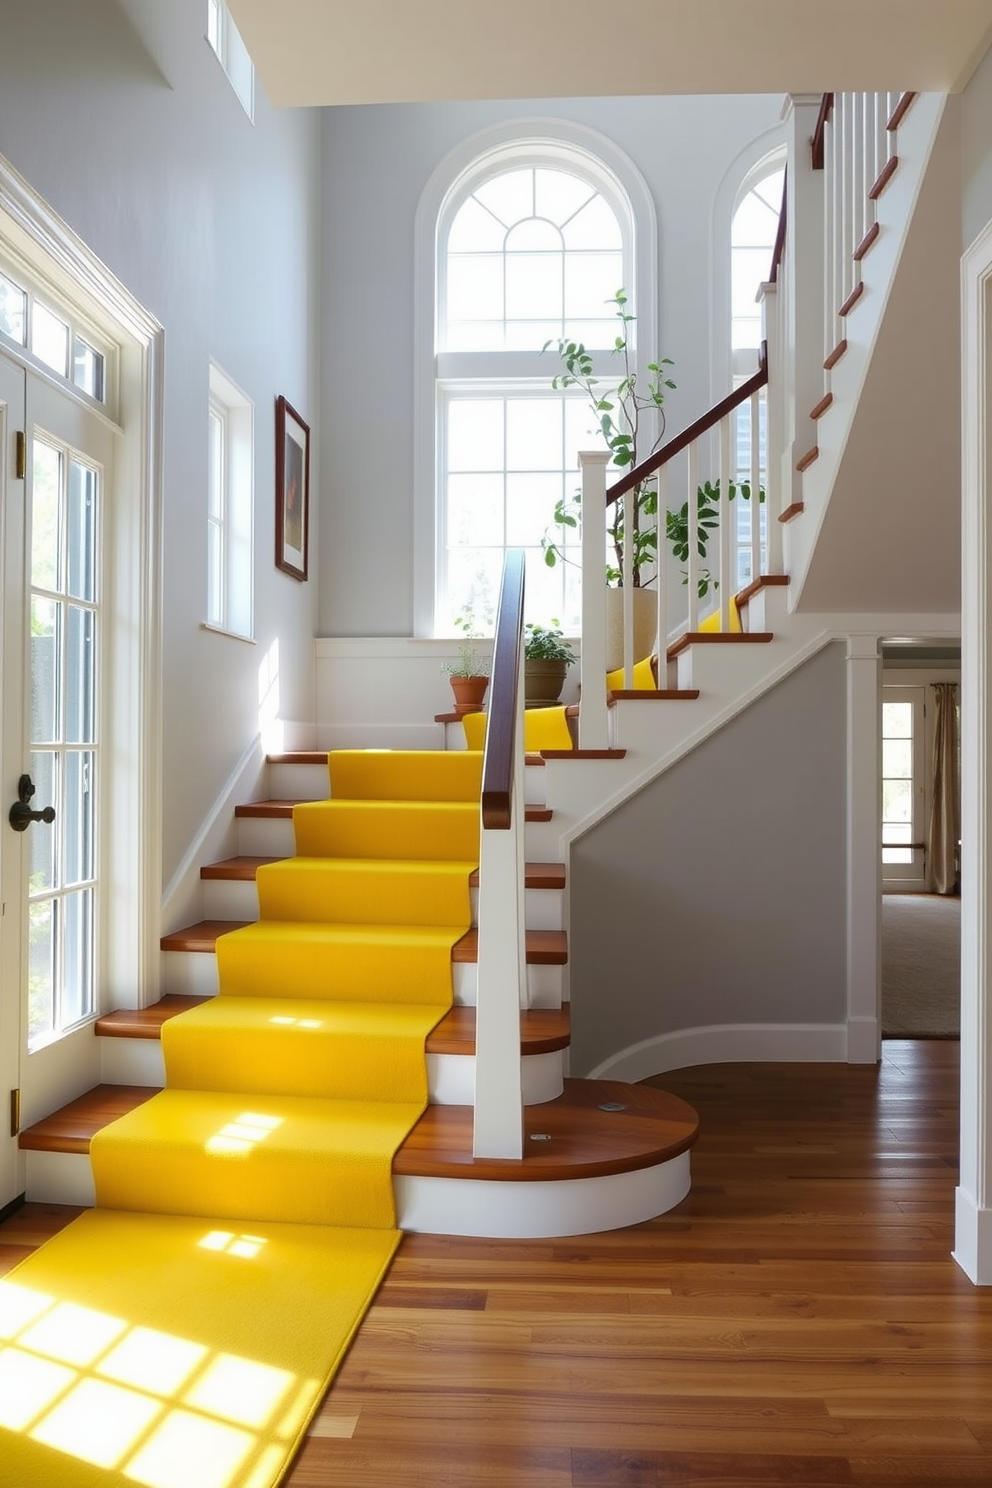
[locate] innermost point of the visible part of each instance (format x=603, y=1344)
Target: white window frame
x=79, y=327
x=226, y=41
x=524, y=142
x=230, y=511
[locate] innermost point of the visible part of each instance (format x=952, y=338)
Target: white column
x=593, y=717
x=804, y=278
x=864, y=872
x=973, y=1199
x=502, y=988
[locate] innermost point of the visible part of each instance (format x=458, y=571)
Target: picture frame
x=292, y=491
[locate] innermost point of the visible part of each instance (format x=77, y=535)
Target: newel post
x=804, y=270
x=593, y=716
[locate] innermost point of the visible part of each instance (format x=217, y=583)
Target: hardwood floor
x=797, y=1320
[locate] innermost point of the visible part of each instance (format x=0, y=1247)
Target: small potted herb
x=547, y=657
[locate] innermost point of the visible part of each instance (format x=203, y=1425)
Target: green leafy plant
x=707, y=521
x=546, y=643
x=470, y=662
x=619, y=417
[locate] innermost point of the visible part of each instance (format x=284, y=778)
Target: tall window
x=530, y=250
x=230, y=550
x=56, y=339
x=225, y=38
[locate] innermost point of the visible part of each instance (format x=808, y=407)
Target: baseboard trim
x=727, y=1043
x=972, y=1238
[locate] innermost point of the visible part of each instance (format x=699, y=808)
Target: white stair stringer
x=895, y=208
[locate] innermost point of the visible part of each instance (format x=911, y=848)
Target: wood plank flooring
x=796, y=1320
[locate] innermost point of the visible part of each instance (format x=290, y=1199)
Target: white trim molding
x=973, y=1208
x=726, y=1043
x=32, y=229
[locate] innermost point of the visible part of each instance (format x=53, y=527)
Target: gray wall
x=976, y=152
x=717, y=895
x=121, y=117
x=377, y=161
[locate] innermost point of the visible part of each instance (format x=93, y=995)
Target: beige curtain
x=944, y=826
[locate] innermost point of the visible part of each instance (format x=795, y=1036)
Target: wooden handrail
x=688, y=436
x=816, y=143
x=778, y=251
x=507, y=678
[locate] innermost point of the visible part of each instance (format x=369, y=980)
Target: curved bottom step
x=602, y=1156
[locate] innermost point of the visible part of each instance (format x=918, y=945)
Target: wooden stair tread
x=240, y=870
x=718, y=638
x=544, y=947
x=583, y=754
x=571, y=711
x=651, y=695
x=146, y=1022
x=283, y=810
x=542, y=1030
x=585, y=1142
x=765, y=581
x=70, y=1128
x=298, y=757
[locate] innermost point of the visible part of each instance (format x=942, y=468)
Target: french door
x=58, y=466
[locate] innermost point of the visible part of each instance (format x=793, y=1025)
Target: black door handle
x=20, y=815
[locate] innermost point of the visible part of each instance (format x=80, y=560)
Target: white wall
x=716, y=898
x=377, y=161
x=122, y=119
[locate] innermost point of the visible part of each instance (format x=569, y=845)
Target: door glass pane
x=41, y=837
x=46, y=616
x=81, y=544
x=88, y=369
x=897, y=758
x=79, y=816
x=42, y=921
x=45, y=519
x=13, y=310
x=77, y=968
x=80, y=679
x=897, y=720
x=50, y=340
x=897, y=800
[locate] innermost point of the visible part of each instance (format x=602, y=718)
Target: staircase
x=597, y=1154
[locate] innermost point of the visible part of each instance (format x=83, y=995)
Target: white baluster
x=692, y=568
x=593, y=716
x=629, y=512
x=727, y=532
x=755, y=479
x=661, y=576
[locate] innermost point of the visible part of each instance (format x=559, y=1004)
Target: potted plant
x=469, y=672
x=547, y=657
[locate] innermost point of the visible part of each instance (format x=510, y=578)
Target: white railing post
x=593, y=715
x=803, y=309
x=727, y=534
x=774, y=487
x=502, y=970
x=661, y=577
x=629, y=512
x=692, y=529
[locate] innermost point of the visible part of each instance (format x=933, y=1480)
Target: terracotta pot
x=543, y=682
x=469, y=693
x=645, y=625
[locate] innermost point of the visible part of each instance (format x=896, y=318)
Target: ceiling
x=315, y=52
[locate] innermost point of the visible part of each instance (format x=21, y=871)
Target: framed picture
x=292, y=491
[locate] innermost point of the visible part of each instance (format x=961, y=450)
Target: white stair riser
x=448, y=1206
x=272, y=837
x=531, y=1211
x=294, y=782
x=194, y=974
x=450, y=1077
x=231, y=899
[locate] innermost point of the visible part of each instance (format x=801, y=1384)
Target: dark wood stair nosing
x=579, y=1137
x=791, y=512
x=544, y=947
x=718, y=638
x=537, y=875
x=652, y=695
x=278, y=810
x=542, y=1030
x=852, y=299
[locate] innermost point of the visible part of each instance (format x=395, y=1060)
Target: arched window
x=534, y=239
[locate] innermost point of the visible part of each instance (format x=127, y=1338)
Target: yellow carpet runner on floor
x=181, y=1334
